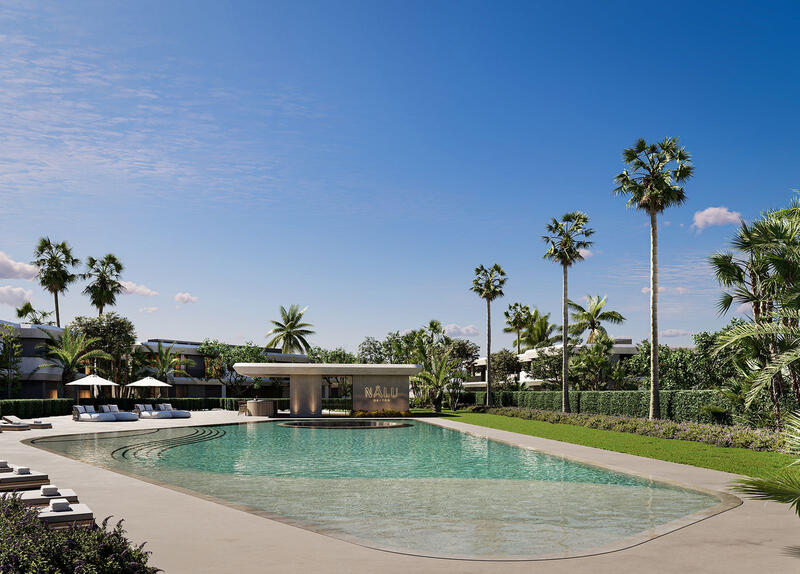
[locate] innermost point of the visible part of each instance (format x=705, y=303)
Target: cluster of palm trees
x=652, y=181
x=57, y=270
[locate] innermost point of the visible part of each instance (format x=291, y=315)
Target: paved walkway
x=190, y=534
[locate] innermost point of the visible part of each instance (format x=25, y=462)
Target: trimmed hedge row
x=717, y=435
x=37, y=408
x=678, y=406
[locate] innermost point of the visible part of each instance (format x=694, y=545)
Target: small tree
x=34, y=316
x=291, y=331
x=517, y=318
x=10, y=358
x=115, y=335
x=506, y=366
x=488, y=285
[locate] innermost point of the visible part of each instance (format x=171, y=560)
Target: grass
x=736, y=460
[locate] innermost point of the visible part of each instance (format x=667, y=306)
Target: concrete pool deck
x=187, y=533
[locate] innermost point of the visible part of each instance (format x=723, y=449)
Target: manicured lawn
x=736, y=460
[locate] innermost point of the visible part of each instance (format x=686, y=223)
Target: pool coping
x=727, y=500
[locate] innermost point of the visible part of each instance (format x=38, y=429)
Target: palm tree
x=71, y=351
x=105, y=284
x=567, y=241
x=517, y=317
x=539, y=332
x=33, y=316
x=488, y=284
x=54, y=261
x=654, y=184
x=592, y=317
x=166, y=365
x=291, y=332
x=434, y=380
x=784, y=486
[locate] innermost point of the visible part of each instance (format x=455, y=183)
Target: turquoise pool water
x=420, y=488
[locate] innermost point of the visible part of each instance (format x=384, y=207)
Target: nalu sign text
x=378, y=392
x=372, y=393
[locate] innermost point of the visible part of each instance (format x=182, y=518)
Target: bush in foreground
x=717, y=435
x=27, y=545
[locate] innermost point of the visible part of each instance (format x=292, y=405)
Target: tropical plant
x=488, y=285
x=33, y=316
x=592, y=317
x=434, y=380
x=55, y=261
x=517, y=318
x=165, y=365
x=10, y=357
x=115, y=335
x=71, y=352
x=784, y=486
x=539, y=331
x=505, y=373
x=654, y=184
x=104, y=281
x=290, y=332
x=567, y=241
x=592, y=364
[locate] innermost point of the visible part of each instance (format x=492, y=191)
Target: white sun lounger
x=147, y=412
x=60, y=513
x=45, y=494
x=37, y=424
x=176, y=414
x=6, y=426
x=22, y=478
x=88, y=414
x=118, y=414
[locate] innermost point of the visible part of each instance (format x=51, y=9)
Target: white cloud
x=185, y=297
x=674, y=333
x=454, y=330
x=744, y=309
x=132, y=288
x=10, y=269
x=712, y=216
x=14, y=296
x=661, y=289
x=680, y=290
x=148, y=310
x=586, y=253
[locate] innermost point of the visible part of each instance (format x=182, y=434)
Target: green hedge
x=35, y=408
x=678, y=406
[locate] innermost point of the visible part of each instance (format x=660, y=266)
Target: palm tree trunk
x=488, y=352
x=58, y=316
x=564, y=345
x=655, y=403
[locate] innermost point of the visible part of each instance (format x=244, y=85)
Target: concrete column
x=305, y=395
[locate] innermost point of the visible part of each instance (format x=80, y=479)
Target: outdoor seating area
x=57, y=508
x=111, y=413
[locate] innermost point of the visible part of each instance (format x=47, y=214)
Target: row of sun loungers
x=59, y=508
x=12, y=423
x=111, y=413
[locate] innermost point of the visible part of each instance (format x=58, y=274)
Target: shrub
x=29, y=546
x=385, y=413
x=717, y=435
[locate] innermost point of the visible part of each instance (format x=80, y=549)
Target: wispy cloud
x=670, y=333
x=454, y=330
x=586, y=253
x=148, y=310
x=14, y=296
x=712, y=216
x=185, y=297
x=10, y=269
x=132, y=288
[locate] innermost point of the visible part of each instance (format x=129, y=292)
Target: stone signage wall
x=380, y=392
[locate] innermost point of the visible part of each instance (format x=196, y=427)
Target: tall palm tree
x=291, y=332
x=71, y=351
x=166, y=365
x=654, y=184
x=517, y=318
x=539, y=332
x=54, y=261
x=105, y=281
x=32, y=315
x=592, y=317
x=488, y=285
x=567, y=241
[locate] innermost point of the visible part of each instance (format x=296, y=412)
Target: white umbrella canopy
x=148, y=382
x=92, y=381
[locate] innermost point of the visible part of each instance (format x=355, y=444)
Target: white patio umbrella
x=148, y=382
x=91, y=381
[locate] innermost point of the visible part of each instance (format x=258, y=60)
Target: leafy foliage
x=55, y=262
x=592, y=317
x=104, y=281
x=113, y=334
x=10, y=358
x=33, y=316
x=71, y=351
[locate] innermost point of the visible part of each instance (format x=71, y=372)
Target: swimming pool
x=418, y=488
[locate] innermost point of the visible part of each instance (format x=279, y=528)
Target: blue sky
x=362, y=158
